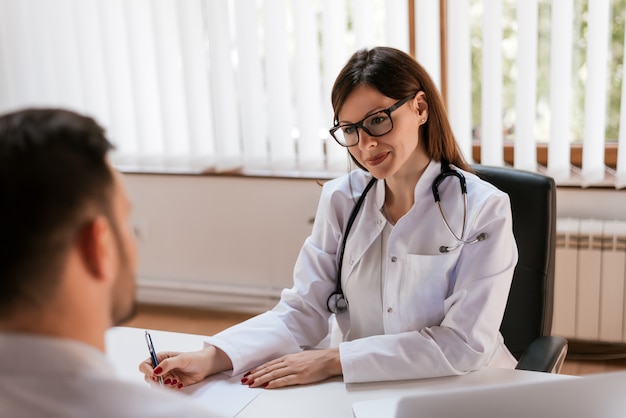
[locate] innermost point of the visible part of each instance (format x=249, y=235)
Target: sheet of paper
x=126, y=347
x=223, y=394
x=375, y=408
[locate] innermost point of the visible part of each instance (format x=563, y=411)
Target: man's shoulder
x=96, y=397
x=154, y=402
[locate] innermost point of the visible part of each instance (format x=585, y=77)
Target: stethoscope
x=337, y=302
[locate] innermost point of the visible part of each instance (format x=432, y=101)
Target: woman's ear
x=97, y=248
x=421, y=105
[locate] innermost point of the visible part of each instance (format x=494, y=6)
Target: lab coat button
x=394, y=259
x=389, y=310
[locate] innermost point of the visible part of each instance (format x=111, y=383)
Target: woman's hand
x=295, y=369
x=184, y=369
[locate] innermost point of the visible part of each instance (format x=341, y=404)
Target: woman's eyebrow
x=370, y=113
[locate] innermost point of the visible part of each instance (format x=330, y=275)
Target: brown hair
x=397, y=75
x=53, y=169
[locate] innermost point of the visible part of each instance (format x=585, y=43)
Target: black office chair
x=528, y=316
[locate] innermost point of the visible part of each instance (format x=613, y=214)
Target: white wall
x=591, y=203
x=230, y=242
x=219, y=242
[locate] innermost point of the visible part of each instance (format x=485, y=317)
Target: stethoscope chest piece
x=337, y=303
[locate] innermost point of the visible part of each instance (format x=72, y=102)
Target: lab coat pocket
x=425, y=285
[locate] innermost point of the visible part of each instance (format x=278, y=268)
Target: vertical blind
x=196, y=85
x=244, y=85
x=560, y=82
x=558, y=107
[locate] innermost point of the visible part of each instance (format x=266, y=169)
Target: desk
x=330, y=399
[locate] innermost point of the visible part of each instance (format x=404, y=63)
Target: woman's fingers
x=145, y=367
x=164, y=370
x=277, y=372
x=263, y=370
x=184, y=369
x=266, y=365
x=293, y=369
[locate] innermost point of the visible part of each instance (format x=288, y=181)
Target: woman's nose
x=366, y=140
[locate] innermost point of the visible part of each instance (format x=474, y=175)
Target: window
x=244, y=85
x=559, y=99
x=196, y=85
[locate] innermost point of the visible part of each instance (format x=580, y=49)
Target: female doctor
x=423, y=290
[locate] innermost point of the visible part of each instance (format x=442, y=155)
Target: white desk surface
x=332, y=398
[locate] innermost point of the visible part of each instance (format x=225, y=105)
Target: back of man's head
x=54, y=175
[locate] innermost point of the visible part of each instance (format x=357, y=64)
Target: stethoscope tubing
x=336, y=302
x=338, y=291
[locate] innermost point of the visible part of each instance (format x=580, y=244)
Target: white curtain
x=528, y=115
x=427, y=39
x=560, y=86
x=526, y=86
x=244, y=85
x=459, y=74
x=196, y=85
x=595, y=91
x=491, y=85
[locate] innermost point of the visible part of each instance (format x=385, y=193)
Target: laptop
x=592, y=396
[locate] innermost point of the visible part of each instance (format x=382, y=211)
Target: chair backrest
x=528, y=312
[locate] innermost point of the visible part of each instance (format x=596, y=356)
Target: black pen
x=153, y=356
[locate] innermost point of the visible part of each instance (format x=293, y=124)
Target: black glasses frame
x=360, y=125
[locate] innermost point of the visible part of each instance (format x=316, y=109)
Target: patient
x=67, y=273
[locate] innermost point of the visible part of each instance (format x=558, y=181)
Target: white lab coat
x=441, y=312
x=47, y=377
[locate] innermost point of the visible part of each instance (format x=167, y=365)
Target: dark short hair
x=396, y=74
x=53, y=172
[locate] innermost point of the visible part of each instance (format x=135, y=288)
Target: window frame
x=576, y=149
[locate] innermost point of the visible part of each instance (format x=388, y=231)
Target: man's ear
x=97, y=249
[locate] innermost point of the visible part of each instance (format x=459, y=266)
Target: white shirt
x=366, y=283
x=47, y=377
x=441, y=313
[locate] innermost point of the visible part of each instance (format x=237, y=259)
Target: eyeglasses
x=376, y=124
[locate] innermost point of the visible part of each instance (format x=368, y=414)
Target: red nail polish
x=247, y=374
x=180, y=385
x=167, y=381
x=244, y=380
x=174, y=381
x=250, y=383
x=264, y=385
x=158, y=370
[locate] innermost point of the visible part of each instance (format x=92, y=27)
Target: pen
x=153, y=355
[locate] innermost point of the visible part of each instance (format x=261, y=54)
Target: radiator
x=590, y=280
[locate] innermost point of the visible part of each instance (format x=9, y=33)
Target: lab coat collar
x=367, y=227
x=423, y=188
x=370, y=222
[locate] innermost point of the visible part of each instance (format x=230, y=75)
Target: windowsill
x=576, y=154
x=185, y=166
x=194, y=171
x=198, y=167
x=575, y=180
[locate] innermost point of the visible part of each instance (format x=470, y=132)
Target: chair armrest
x=545, y=354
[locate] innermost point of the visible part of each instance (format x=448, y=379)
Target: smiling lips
x=377, y=159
